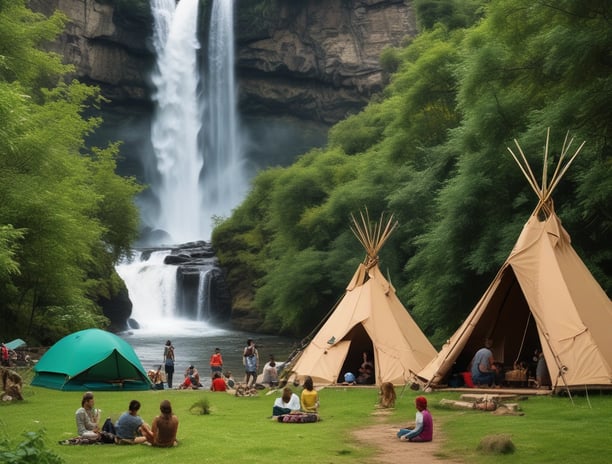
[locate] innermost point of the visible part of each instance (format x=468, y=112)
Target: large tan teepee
x=369, y=318
x=543, y=296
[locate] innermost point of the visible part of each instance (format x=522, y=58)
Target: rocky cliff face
x=314, y=59
x=107, y=49
x=319, y=59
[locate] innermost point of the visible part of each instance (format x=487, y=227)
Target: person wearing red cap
x=423, y=429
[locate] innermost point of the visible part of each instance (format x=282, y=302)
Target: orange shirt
x=216, y=360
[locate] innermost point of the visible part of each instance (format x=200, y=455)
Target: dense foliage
x=433, y=151
x=31, y=450
x=65, y=216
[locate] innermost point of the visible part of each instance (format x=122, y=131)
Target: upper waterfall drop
x=177, y=120
x=200, y=169
x=224, y=181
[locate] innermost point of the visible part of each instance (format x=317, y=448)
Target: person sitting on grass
x=309, y=399
x=423, y=428
x=218, y=383
x=386, y=395
x=270, y=373
x=164, y=427
x=87, y=418
x=192, y=374
x=157, y=378
x=288, y=403
x=229, y=380
x=131, y=428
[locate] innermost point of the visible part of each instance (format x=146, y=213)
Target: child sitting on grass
x=423, y=429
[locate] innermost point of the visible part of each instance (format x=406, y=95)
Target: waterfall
x=195, y=134
x=224, y=179
x=177, y=119
x=151, y=284
x=199, y=169
x=203, y=312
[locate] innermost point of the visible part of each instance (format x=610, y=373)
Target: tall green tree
x=526, y=67
x=65, y=216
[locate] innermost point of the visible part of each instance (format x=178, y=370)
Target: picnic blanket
x=300, y=418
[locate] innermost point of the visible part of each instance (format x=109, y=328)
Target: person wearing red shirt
x=218, y=383
x=216, y=362
x=5, y=356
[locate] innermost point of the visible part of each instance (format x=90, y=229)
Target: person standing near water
x=216, y=362
x=250, y=359
x=169, y=362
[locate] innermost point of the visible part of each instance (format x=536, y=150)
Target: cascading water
x=195, y=131
x=204, y=295
x=176, y=123
x=195, y=136
x=151, y=283
x=224, y=180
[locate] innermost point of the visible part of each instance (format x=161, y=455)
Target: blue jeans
x=403, y=432
x=483, y=378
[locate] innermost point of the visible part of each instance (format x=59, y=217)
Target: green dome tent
x=91, y=359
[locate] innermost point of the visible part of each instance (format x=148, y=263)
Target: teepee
x=542, y=297
x=369, y=318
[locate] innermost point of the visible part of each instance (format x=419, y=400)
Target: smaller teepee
x=368, y=319
x=542, y=297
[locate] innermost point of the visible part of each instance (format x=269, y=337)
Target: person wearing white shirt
x=87, y=418
x=288, y=403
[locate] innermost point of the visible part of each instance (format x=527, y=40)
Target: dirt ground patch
x=391, y=450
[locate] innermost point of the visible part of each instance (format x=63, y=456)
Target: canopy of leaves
x=65, y=216
x=433, y=151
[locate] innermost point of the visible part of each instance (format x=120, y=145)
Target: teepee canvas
x=542, y=297
x=369, y=318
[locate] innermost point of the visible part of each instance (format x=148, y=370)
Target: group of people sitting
x=219, y=382
x=305, y=408
x=130, y=428
x=290, y=407
x=486, y=371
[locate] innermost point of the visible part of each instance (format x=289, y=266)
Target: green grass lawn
x=553, y=429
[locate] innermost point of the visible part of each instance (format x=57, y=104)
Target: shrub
x=31, y=450
x=202, y=406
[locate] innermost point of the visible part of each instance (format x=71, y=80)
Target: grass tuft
x=200, y=407
x=496, y=444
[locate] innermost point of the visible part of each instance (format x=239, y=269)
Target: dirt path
x=391, y=450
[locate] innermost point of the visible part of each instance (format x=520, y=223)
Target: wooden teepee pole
x=545, y=189
x=372, y=235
